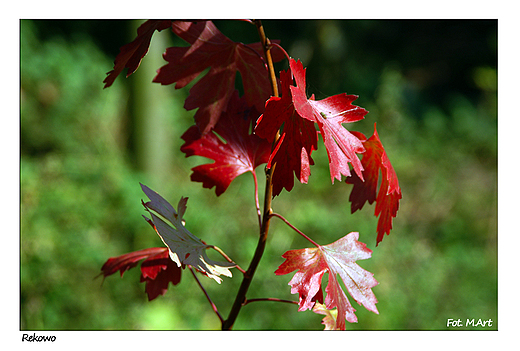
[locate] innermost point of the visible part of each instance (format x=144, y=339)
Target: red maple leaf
x=297, y=140
x=338, y=258
x=330, y=114
x=157, y=269
x=211, y=49
x=240, y=151
x=295, y=115
x=130, y=55
x=387, y=200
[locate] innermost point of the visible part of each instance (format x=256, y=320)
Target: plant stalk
x=213, y=306
x=264, y=228
x=295, y=229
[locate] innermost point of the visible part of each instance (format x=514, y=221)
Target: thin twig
x=281, y=48
x=207, y=296
x=257, y=203
x=294, y=228
x=216, y=248
x=257, y=54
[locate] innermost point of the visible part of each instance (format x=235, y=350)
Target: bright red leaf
x=387, y=200
x=240, y=151
x=130, y=55
x=157, y=269
x=295, y=115
x=330, y=114
x=211, y=49
x=297, y=140
x=338, y=258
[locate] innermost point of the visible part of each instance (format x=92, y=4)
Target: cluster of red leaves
x=209, y=48
x=157, y=269
x=296, y=116
x=297, y=140
x=229, y=131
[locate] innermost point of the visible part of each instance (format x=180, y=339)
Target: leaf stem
x=257, y=203
x=264, y=227
x=281, y=48
x=219, y=250
x=294, y=228
x=213, y=306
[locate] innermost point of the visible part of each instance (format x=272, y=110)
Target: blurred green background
x=431, y=86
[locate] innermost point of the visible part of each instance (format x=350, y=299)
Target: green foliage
x=80, y=194
x=76, y=186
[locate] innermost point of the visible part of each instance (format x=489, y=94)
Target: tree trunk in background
x=151, y=112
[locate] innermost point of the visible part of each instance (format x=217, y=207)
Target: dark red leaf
x=387, y=200
x=297, y=140
x=212, y=49
x=338, y=258
x=157, y=269
x=130, y=260
x=240, y=151
x=130, y=55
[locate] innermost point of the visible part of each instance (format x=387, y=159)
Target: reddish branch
x=294, y=228
x=240, y=299
x=213, y=306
